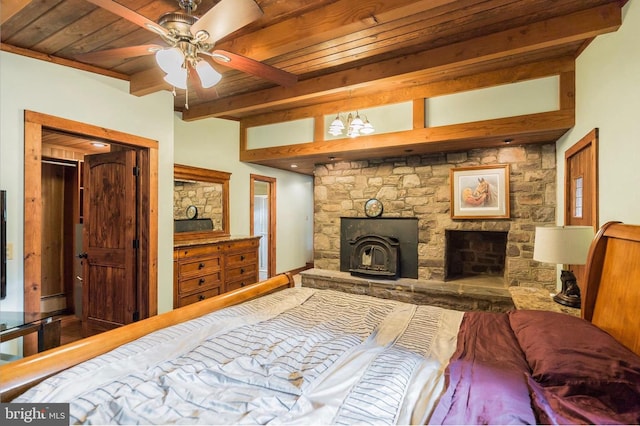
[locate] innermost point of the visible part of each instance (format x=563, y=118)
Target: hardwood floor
x=71, y=329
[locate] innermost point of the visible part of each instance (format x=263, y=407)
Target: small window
x=577, y=201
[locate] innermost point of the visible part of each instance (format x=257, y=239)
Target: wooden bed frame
x=611, y=297
x=611, y=294
x=18, y=376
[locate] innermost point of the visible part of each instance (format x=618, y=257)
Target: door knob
x=83, y=255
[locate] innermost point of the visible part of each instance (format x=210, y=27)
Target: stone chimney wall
x=418, y=186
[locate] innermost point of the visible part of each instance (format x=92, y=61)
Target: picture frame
x=480, y=192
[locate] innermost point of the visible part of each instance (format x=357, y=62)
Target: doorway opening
x=263, y=222
x=55, y=139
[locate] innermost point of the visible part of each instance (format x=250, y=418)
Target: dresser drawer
x=247, y=271
x=241, y=245
x=200, y=267
x=243, y=258
x=204, y=282
x=243, y=282
x=208, y=250
x=187, y=300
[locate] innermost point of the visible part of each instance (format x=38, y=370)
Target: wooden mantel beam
x=553, y=32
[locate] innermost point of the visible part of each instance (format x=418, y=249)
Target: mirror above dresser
x=200, y=203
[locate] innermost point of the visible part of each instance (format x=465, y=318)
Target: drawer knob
x=242, y=284
x=241, y=257
x=201, y=265
x=202, y=280
x=242, y=270
x=201, y=297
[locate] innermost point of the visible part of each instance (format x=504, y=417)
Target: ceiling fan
x=190, y=41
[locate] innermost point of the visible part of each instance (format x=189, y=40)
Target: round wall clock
x=192, y=212
x=373, y=207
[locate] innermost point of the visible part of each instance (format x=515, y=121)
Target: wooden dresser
x=206, y=268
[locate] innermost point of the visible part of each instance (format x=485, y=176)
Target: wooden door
x=581, y=188
x=109, y=287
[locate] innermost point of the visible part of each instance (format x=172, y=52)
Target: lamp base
x=570, y=294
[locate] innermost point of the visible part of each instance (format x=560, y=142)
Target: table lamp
x=566, y=245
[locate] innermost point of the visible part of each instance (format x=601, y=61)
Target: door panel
x=581, y=189
x=109, y=287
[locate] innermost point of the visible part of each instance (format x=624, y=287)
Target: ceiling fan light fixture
x=208, y=75
x=201, y=36
x=170, y=60
x=156, y=29
x=177, y=78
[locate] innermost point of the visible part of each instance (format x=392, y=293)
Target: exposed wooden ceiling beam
x=553, y=32
x=510, y=74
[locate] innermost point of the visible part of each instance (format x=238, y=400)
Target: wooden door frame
x=147, y=150
x=271, y=232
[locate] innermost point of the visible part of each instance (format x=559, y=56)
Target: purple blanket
x=486, y=378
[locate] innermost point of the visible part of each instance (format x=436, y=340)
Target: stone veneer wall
x=418, y=186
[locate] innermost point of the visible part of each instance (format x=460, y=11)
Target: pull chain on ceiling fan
x=190, y=41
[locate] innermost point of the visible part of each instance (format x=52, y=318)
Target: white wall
x=608, y=97
x=29, y=84
x=213, y=144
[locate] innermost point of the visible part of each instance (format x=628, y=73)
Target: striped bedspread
x=297, y=356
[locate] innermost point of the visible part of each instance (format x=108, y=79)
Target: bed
x=275, y=353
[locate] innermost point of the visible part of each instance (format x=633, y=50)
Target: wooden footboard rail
x=18, y=376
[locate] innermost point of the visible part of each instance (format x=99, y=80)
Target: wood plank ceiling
x=338, y=49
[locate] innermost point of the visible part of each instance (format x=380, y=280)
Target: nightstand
x=538, y=299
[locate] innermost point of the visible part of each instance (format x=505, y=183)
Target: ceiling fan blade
x=120, y=53
x=130, y=15
x=227, y=17
x=251, y=66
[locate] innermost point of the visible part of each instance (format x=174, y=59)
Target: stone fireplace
x=475, y=254
x=417, y=188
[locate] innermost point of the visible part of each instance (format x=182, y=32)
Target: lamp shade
x=567, y=245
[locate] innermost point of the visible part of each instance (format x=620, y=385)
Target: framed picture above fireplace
x=480, y=192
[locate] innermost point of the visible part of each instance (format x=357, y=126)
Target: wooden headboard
x=611, y=299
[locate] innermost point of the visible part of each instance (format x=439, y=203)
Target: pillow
x=562, y=349
x=579, y=373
